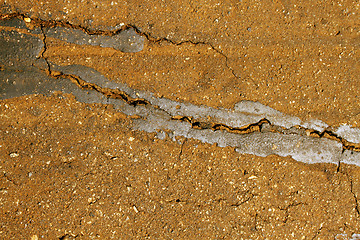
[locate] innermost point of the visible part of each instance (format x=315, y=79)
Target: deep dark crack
x=257, y=127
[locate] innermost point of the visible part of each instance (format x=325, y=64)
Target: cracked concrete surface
x=271, y=54
x=246, y=118
x=211, y=91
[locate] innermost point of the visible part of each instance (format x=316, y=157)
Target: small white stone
x=34, y=237
x=135, y=209
x=14, y=154
x=131, y=139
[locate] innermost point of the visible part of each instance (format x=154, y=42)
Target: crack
x=338, y=167
x=42, y=53
x=201, y=125
x=178, y=200
x=255, y=228
x=356, y=201
x=196, y=124
x=219, y=200
x=69, y=236
x=245, y=200
x=56, y=23
x=330, y=135
x=10, y=179
x=258, y=126
x=254, y=127
x=286, y=209
x=163, y=39
x=181, y=149
x=355, y=198
x=318, y=231
x=108, y=92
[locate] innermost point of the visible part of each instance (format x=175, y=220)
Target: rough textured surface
x=78, y=170
x=277, y=133
x=288, y=55
x=74, y=169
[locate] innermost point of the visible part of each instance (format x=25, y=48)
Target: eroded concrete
x=82, y=168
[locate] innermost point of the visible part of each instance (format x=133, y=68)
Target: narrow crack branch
x=163, y=39
x=355, y=198
x=10, y=179
x=42, y=53
x=256, y=222
x=181, y=149
x=286, y=209
x=247, y=199
x=108, y=92
x=318, y=232
x=356, y=201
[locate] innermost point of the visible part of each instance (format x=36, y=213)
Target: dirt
x=78, y=170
